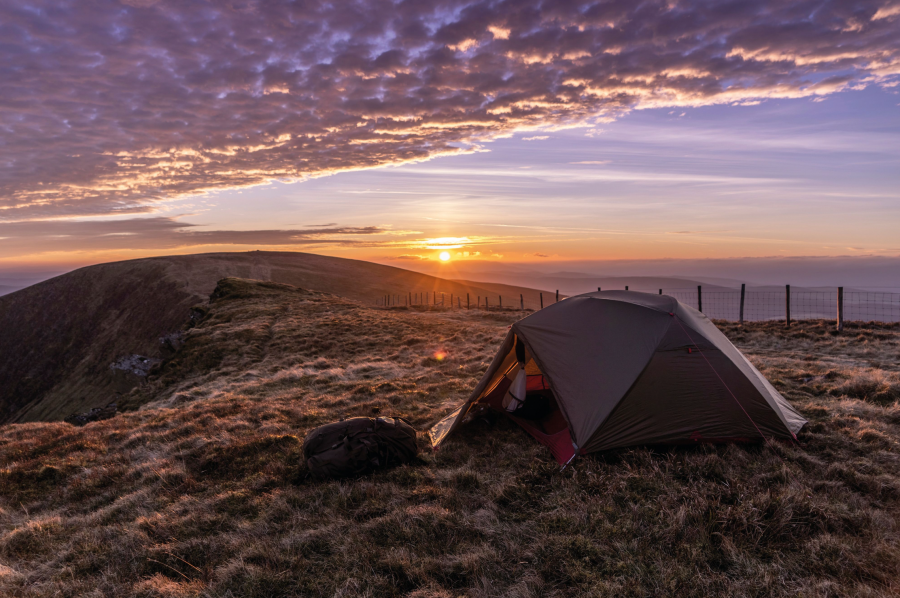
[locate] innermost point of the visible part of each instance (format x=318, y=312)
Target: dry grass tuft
x=202, y=492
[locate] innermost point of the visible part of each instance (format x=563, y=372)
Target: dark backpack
x=359, y=445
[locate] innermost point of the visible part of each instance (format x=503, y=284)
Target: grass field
x=202, y=492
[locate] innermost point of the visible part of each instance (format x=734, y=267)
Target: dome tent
x=623, y=368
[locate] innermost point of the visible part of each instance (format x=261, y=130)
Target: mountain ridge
x=63, y=334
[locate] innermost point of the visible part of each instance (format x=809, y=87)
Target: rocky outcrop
x=95, y=414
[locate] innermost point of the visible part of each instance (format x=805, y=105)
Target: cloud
x=597, y=162
x=536, y=138
x=407, y=256
x=540, y=255
x=110, y=108
x=161, y=233
x=166, y=233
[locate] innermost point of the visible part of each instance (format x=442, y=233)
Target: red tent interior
x=551, y=430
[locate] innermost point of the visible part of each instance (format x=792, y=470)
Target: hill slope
x=61, y=336
x=203, y=492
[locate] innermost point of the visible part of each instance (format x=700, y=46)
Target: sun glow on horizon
x=445, y=256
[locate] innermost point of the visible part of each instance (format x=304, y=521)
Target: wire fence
x=748, y=305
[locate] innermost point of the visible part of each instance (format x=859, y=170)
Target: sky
x=523, y=132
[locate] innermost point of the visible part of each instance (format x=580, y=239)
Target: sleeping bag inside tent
x=614, y=369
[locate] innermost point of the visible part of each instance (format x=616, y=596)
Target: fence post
x=468, y=305
x=486, y=303
x=741, y=315
x=434, y=298
x=787, y=306
x=459, y=302
x=598, y=289
x=410, y=298
x=442, y=300
x=660, y=291
x=542, y=300
x=521, y=302
x=501, y=301
x=557, y=295
x=699, y=298
x=626, y=287
x=840, y=310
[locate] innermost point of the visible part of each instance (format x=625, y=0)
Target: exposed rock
x=135, y=364
x=198, y=312
x=130, y=370
x=95, y=414
x=170, y=343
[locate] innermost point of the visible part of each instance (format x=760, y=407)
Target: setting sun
x=445, y=256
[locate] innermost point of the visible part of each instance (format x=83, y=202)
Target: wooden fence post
x=699, y=298
x=787, y=306
x=468, y=305
x=521, y=302
x=626, y=287
x=660, y=291
x=501, y=301
x=741, y=316
x=410, y=298
x=598, y=289
x=486, y=302
x=442, y=300
x=451, y=300
x=542, y=300
x=840, y=309
x=557, y=295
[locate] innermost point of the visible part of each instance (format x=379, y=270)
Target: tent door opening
x=539, y=414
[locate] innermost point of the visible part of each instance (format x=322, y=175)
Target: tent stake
x=572, y=458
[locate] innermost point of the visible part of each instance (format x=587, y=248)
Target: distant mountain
x=61, y=336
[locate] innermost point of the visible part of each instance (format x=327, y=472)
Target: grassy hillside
x=202, y=492
x=60, y=336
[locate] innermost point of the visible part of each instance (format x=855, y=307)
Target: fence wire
x=759, y=306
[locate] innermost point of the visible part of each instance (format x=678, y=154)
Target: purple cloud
x=107, y=107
